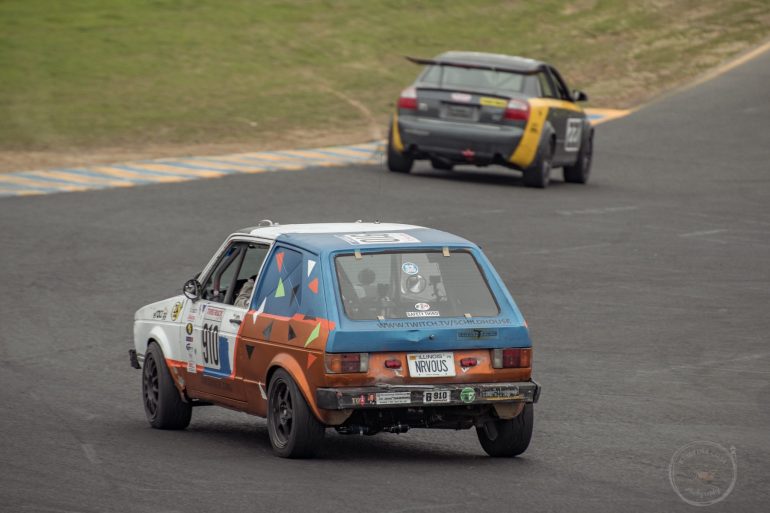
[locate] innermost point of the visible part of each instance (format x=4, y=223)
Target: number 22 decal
x=574, y=131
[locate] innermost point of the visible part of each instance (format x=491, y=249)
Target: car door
x=572, y=121
x=213, y=322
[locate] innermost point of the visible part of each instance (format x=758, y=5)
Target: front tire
x=163, y=404
x=538, y=175
x=398, y=162
x=507, y=438
x=579, y=172
x=294, y=431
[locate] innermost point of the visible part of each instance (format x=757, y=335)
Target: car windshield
x=454, y=77
x=399, y=285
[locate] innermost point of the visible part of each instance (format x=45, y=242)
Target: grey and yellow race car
x=481, y=109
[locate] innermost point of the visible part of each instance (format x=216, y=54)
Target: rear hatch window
x=412, y=285
x=483, y=80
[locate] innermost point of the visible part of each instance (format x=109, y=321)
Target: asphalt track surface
x=646, y=292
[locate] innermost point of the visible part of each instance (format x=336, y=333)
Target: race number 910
x=210, y=340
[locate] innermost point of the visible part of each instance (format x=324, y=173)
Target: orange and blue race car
x=482, y=108
x=360, y=327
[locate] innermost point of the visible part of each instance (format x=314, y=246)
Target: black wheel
x=294, y=431
x=507, y=438
x=539, y=173
x=443, y=165
x=398, y=162
x=579, y=172
x=163, y=405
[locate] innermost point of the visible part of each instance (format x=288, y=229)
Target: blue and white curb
x=130, y=174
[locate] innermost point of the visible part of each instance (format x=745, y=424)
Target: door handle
x=235, y=321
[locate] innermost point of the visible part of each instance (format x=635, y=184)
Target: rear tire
x=441, y=165
x=398, y=162
x=512, y=436
x=294, y=431
x=579, y=172
x=163, y=404
x=539, y=174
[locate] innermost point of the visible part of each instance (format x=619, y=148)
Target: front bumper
x=413, y=396
x=452, y=140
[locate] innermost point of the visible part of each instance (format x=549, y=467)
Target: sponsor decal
x=160, y=314
x=442, y=323
x=189, y=328
x=461, y=97
x=190, y=356
x=361, y=239
x=191, y=318
x=422, y=307
x=176, y=311
x=494, y=102
x=467, y=395
x=213, y=314
x=393, y=398
x=477, y=334
x=499, y=394
x=433, y=313
x=410, y=268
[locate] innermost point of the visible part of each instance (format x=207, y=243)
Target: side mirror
x=192, y=289
x=579, y=96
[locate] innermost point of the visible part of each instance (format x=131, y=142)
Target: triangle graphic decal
x=313, y=334
x=292, y=335
x=310, y=266
x=279, y=292
x=311, y=358
x=313, y=285
x=279, y=259
x=249, y=350
x=267, y=331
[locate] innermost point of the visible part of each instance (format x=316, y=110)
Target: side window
x=291, y=284
x=221, y=279
x=546, y=86
x=247, y=275
x=561, y=87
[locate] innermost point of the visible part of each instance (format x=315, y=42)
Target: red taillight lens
x=393, y=364
x=468, y=362
x=408, y=99
x=517, y=110
x=346, y=362
x=512, y=358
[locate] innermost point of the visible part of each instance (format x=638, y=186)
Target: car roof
x=327, y=237
x=510, y=62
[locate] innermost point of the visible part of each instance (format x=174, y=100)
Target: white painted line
x=702, y=232
x=597, y=211
x=90, y=452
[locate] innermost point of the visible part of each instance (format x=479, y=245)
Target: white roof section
x=271, y=232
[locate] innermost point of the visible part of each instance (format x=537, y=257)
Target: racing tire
x=579, y=172
x=511, y=437
x=441, y=165
x=293, y=429
x=163, y=404
x=398, y=162
x=538, y=175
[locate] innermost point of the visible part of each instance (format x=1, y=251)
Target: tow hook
x=134, y=360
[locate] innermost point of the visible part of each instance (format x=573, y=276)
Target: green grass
x=91, y=73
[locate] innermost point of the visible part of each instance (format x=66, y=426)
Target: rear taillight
x=346, y=362
x=408, y=99
x=517, y=110
x=513, y=357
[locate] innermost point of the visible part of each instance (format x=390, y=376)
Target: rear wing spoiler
x=511, y=69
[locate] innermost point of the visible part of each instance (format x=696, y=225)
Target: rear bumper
x=451, y=140
x=412, y=396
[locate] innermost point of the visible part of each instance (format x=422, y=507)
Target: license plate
x=436, y=396
x=460, y=111
x=431, y=365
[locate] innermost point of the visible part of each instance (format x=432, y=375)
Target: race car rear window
x=454, y=77
x=401, y=285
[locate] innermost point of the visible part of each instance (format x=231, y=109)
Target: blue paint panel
x=224, y=358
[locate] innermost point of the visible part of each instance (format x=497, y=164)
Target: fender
x=290, y=365
x=537, y=129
